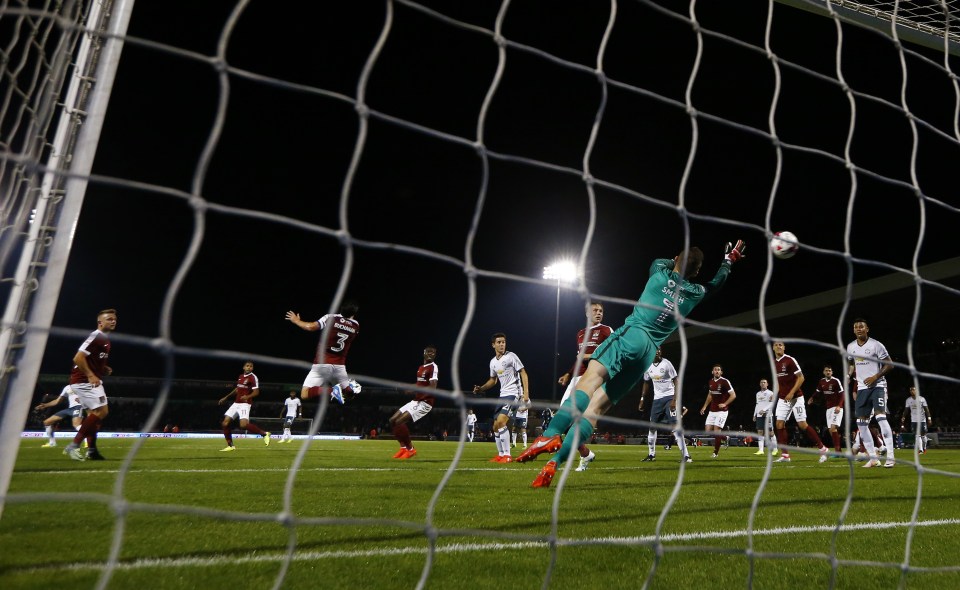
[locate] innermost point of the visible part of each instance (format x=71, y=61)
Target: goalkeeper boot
x=542, y=444
x=586, y=461
x=546, y=476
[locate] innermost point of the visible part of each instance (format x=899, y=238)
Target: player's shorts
x=238, y=411
x=762, y=423
x=918, y=427
x=718, y=419
x=70, y=413
x=416, y=409
x=508, y=406
x=872, y=400
x=325, y=374
x=797, y=407
x=661, y=412
x=834, y=418
x=288, y=421
x=91, y=397
x=625, y=355
x=520, y=423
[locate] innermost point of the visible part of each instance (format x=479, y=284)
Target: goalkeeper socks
x=228, y=435
x=585, y=428
x=564, y=418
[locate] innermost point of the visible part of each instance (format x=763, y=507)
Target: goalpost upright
x=44, y=199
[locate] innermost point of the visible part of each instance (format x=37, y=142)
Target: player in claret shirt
x=720, y=395
x=86, y=380
x=330, y=362
x=247, y=388
x=831, y=390
x=423, y=402
x=789, y=380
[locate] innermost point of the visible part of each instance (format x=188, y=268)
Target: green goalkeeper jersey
x=665, y=289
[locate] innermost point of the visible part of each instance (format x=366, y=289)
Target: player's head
x=913, y=391
x=778, y=348
x=595, y=312
x=689, y=262
x=764, y=384
x=248, y=367
x=499, y=342
x=293, y=393
x=107, y=320
x=658, y=356
x=717, y=371
x=429, y=353
x=828, y=371
x=861, y=329
x=349, y=308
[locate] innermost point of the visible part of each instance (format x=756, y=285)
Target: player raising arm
x=620, y=361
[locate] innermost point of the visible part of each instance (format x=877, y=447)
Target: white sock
x=524, y=438
x=760, y=443
x=513, y=438
x=652, y=441
x=887, y=434
x=866, y=439
x=505, y=441
x=681, y=443
x=50, y=434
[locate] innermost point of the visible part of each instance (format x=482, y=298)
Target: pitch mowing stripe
x=471, y=547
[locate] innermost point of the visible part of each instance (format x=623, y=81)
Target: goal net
x=427, y=159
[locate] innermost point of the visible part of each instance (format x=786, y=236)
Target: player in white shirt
x=520, y=424
x=762, y=414
x=471, y=425
x=663, y=375
x=869, y=361
x=74, y=411
x=920, y=419
x=292, y=409
x=506, y=368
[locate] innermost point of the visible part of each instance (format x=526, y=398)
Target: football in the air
x=784, y=244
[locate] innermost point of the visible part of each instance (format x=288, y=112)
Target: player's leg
x=94, y=399
x=784, y=410
x=401, y=432
x=48, y=425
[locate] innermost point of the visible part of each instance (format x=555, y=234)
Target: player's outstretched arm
x=294, y=318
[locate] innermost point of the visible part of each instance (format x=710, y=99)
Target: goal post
x=47, y=182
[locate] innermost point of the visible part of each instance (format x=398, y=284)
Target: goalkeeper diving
x=620, y=360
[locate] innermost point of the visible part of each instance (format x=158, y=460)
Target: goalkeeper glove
x=734, y=252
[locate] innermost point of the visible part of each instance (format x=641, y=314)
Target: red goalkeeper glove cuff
x=734, y=252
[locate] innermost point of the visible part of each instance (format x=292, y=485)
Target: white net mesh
x=428, y=160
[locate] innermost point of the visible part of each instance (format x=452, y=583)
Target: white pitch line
x=470, y=547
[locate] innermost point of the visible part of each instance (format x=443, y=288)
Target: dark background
x=277, y=196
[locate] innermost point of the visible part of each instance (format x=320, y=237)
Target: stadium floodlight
x=562, y=271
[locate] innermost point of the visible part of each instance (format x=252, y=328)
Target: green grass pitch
x=191, y=517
